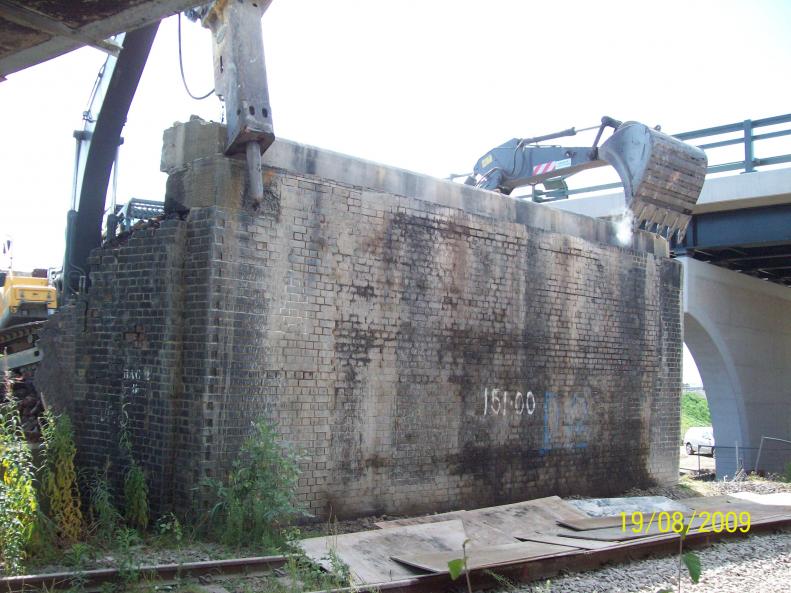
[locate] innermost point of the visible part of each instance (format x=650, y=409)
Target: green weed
x=78, y=557
x=135, y=487
x=257, y=500
x=169, y=530
x=128, y=567
x=105, y=518
x=136, y=498
x=59, y=478
x=18, y=503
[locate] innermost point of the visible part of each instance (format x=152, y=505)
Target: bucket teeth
x=662, y=176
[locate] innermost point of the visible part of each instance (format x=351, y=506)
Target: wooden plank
x=368, y=553
x=485, y=557
x=585, y=544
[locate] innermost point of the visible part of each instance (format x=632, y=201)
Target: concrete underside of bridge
x=738, y=329
x=426, y=345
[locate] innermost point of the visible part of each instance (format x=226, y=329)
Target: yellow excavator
x=26, y=301
x=26, y=297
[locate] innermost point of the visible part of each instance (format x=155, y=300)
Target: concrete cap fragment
x=185, y=142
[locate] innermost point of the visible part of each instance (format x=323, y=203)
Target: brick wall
x=426, y=347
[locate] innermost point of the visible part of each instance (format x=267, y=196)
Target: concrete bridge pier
x=738, y=329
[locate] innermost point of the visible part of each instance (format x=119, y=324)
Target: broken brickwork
x=426, y=345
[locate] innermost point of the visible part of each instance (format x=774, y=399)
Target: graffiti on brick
x=136, y=381
x=566, y=418
x=498, y=402
x=567, y=422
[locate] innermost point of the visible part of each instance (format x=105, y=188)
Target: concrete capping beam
x=719, y=194
x=745, y=190
x=196, y=139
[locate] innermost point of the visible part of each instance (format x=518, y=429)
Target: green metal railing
x=747, y=138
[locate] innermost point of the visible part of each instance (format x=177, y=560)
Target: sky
x=426, y=86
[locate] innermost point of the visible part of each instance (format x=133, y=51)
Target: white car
x=699, y=439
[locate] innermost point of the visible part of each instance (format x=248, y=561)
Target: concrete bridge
x=737, y=309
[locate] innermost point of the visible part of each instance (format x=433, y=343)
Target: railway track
x=93, y=580
x=519, y=571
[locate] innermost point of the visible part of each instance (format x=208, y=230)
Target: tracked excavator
x=662, y=176
x=26, y=301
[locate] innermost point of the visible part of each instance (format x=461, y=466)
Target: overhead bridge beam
x=29, y=18
x=761, y=226
x=33, y=32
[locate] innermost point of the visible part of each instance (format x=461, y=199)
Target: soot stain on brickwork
x=372, y=328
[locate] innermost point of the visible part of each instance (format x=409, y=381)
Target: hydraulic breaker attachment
x=662, y=176
x=240, y=81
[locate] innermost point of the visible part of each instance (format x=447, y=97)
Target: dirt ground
x=693, y=463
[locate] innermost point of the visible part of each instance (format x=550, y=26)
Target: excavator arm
x=662, y=176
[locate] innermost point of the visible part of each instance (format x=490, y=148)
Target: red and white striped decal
x=544, y=168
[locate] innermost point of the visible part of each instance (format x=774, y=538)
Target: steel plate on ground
x=613, y=507
x=478, y=533
x=368, y=553
x=486, y=557
x=497, y=525
x=585, y=544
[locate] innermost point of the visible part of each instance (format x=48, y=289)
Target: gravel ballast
x=758, y=563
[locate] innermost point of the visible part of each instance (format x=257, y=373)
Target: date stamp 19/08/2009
x=677, y=522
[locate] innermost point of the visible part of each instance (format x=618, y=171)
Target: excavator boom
x=662, y=176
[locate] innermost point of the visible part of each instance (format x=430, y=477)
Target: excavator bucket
x=662, y=176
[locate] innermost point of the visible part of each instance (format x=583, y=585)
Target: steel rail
x=93, y=579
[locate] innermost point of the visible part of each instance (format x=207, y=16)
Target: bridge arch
x=738, y=329
x=723, y=391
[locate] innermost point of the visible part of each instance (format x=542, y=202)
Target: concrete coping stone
x=197, y=138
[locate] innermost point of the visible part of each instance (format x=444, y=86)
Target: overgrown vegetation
x=59, y=478
x=135, y=487
x=136, y=498
x=694, y=411
x=18, y=503
x=105, y=518
x=41, y=508
x=42, y=513
x=257, y=499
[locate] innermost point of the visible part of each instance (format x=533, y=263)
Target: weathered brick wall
x=427, y=348
x=114, y=358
